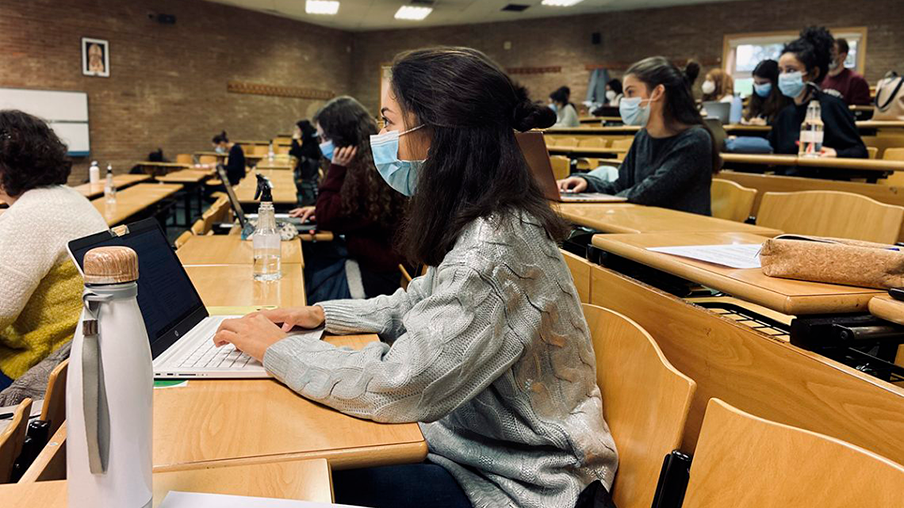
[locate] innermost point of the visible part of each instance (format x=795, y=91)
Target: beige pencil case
x=833, y=260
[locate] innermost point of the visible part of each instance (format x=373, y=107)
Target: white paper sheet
x=744, y=255
x=194, y=500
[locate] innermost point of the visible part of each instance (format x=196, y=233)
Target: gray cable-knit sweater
x=490, y=352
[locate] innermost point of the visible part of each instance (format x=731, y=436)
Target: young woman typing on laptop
x=489, y=350
x=674, y=155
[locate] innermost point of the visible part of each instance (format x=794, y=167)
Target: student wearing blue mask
x=489, y=351
x=767, y=100
x=673, y=157
x=352, y=201
x=803, y=65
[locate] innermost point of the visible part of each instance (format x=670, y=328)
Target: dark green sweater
x=674, y=172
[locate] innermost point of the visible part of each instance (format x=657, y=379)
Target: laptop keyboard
x=208, y=356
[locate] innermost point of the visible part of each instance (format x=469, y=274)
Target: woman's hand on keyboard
x=251, y=334
x=290, y=317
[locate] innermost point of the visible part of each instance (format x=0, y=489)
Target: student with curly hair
x=355, y=202
x=803, y=66
x=40, y=288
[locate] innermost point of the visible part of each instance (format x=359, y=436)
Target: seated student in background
x=718, y=85
x=673, y=157
x=40, y=288
x=767, y=100
x=803, y=65
x=844, y=83
x=307, y=155
x=355, y=202
x=489, y=350
x=613, y=93
x=566, y=115
x=235, y=166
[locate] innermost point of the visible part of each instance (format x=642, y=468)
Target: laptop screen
x=168, y=300
x=233, y=200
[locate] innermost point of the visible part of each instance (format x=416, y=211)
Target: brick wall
x=694, y=31
x=167, y=84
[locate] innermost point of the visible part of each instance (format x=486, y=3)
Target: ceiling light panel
x=411, y=12
x=330, y=7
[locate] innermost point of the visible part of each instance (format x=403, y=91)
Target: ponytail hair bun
x=528, y=115
x=691, y=72
x=220, y=138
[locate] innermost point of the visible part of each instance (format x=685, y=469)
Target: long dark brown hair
x=775, y=102
x=346, y=122
x=680, y=106
x=474, y=167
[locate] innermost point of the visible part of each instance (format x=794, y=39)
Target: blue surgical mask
x=632, y=113
x=552, y=106
x=400, y=175
x=326, y=148
x=763, y=90
x=791, y=83
x=219, y=149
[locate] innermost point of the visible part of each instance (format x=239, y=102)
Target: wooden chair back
x=895, y=179
x=207, y=159
x=406, y=277
x=645, y=402
x=198, y=228
x=831, y=213
x=11, y=439
x=744, y=461
x=567, y=141
x=550, y=140
x=623, y=143
x=593, y=142
x=561, y=166
x=893, y=154
x=872, y=151
x=281, y=149
x=731, y=200
x=181, y=239
x=54, y=409
x=50, y=464
x=184, y=158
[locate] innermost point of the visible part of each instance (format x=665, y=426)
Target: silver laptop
x=179, y=328
x=537, y=155
x=721, y=111
x=244, y=218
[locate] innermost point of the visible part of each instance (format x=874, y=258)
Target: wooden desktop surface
x=586, y=150
x=222, y=422
x=308, y=480
x=222, y=285
x=212, y=153
x=783, y=295
x=186, y=176
x=231, y=250
x=276, y=164
x=133, y=200
x=93, y=190
x=591, y=130
x=284, y=191
x=629, y=218
x=814, y=162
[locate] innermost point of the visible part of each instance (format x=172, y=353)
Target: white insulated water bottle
x=110, y=389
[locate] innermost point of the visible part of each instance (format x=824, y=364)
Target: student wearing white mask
x=489, y=351
x=614, y=92
x=803, y=66
x=673, y=157
x=718, y=85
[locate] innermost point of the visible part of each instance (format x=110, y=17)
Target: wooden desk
x=186, y=176
x=275, y=164
x=814, y=162
x=307, y=480
x=161, y=168
x=231, y=250
x=629, y=218
x=133, y=200
x=630, y=130
x=758, y=373
x=783, y=295
x=586, y=150
x=284, y=191
x=224, y=422
x=218, y=155
x=93, y=190
x=222, y=285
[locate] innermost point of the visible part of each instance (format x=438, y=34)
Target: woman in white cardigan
x=489, y=351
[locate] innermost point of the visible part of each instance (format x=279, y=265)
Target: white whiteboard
x=66, y=112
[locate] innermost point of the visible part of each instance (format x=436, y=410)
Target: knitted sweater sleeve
x=25, y=258
x=456, y=342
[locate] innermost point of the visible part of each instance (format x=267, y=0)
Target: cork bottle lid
x=111, y=265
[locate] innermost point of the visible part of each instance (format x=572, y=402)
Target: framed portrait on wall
x=95, y=57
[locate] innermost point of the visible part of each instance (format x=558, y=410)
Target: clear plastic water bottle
x=94, y=173
x=109, y=186
x=812, y=131
x=270, y=155
x=266, y=237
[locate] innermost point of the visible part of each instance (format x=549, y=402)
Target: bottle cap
x=111, y=265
